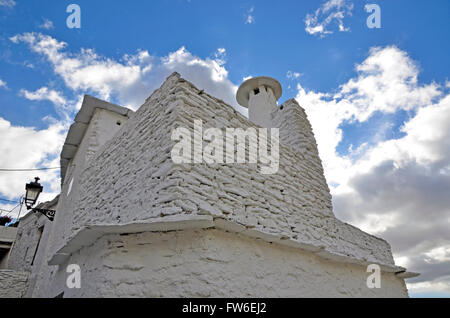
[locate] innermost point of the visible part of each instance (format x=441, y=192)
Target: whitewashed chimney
x=260, y=95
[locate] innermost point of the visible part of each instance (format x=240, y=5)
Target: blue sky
x=405, y=63
x=274, y=44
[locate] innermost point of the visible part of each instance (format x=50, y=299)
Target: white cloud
x=435, y=288
x=47, y=25
x=331, y=12
x=220, y=56
x=131, y=80
x=45, y=94
x=250, y=18
x=292, y=75
x=7, y=3
x=382, y=185
x=3, y=84
x=64, y=107
x=27, y=147
x=438, y=254
x=379, y=86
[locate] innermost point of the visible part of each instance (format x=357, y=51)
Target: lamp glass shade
x=33, y=190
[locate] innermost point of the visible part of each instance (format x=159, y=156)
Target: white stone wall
x=27, y=240
x=30, y=243
x=133, y=179
x=13, y=284
x=212, y=263
x=102, y=127
x=296, y=132
x=123, y=179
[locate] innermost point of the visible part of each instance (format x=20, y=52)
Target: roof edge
x=80, y=125
x=88, y=234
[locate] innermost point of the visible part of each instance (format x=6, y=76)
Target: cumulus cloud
x=208, y=74
x=402, y=186
x=394, y=188
x=330, y=13
x=28, y=147
x=44, y=94
x=378, y=87
x=63, y=106
x=47, y=25
x=3, y=84
x=132, y=79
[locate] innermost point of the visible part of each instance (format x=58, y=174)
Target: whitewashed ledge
x=87, y=235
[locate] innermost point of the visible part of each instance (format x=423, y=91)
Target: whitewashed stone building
x=139, y=225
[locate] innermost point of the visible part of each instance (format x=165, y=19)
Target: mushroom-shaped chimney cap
x=243, y=93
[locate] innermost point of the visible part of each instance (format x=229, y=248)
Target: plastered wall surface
x=13, y=284
x=7, y=234
x=27, y=241
x=213, y=263
x=102, y=127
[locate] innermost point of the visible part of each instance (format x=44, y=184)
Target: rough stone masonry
x=140, y=225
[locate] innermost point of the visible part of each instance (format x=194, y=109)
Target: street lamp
x=33, y=189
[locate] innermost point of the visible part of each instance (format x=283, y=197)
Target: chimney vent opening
x=261, y=107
